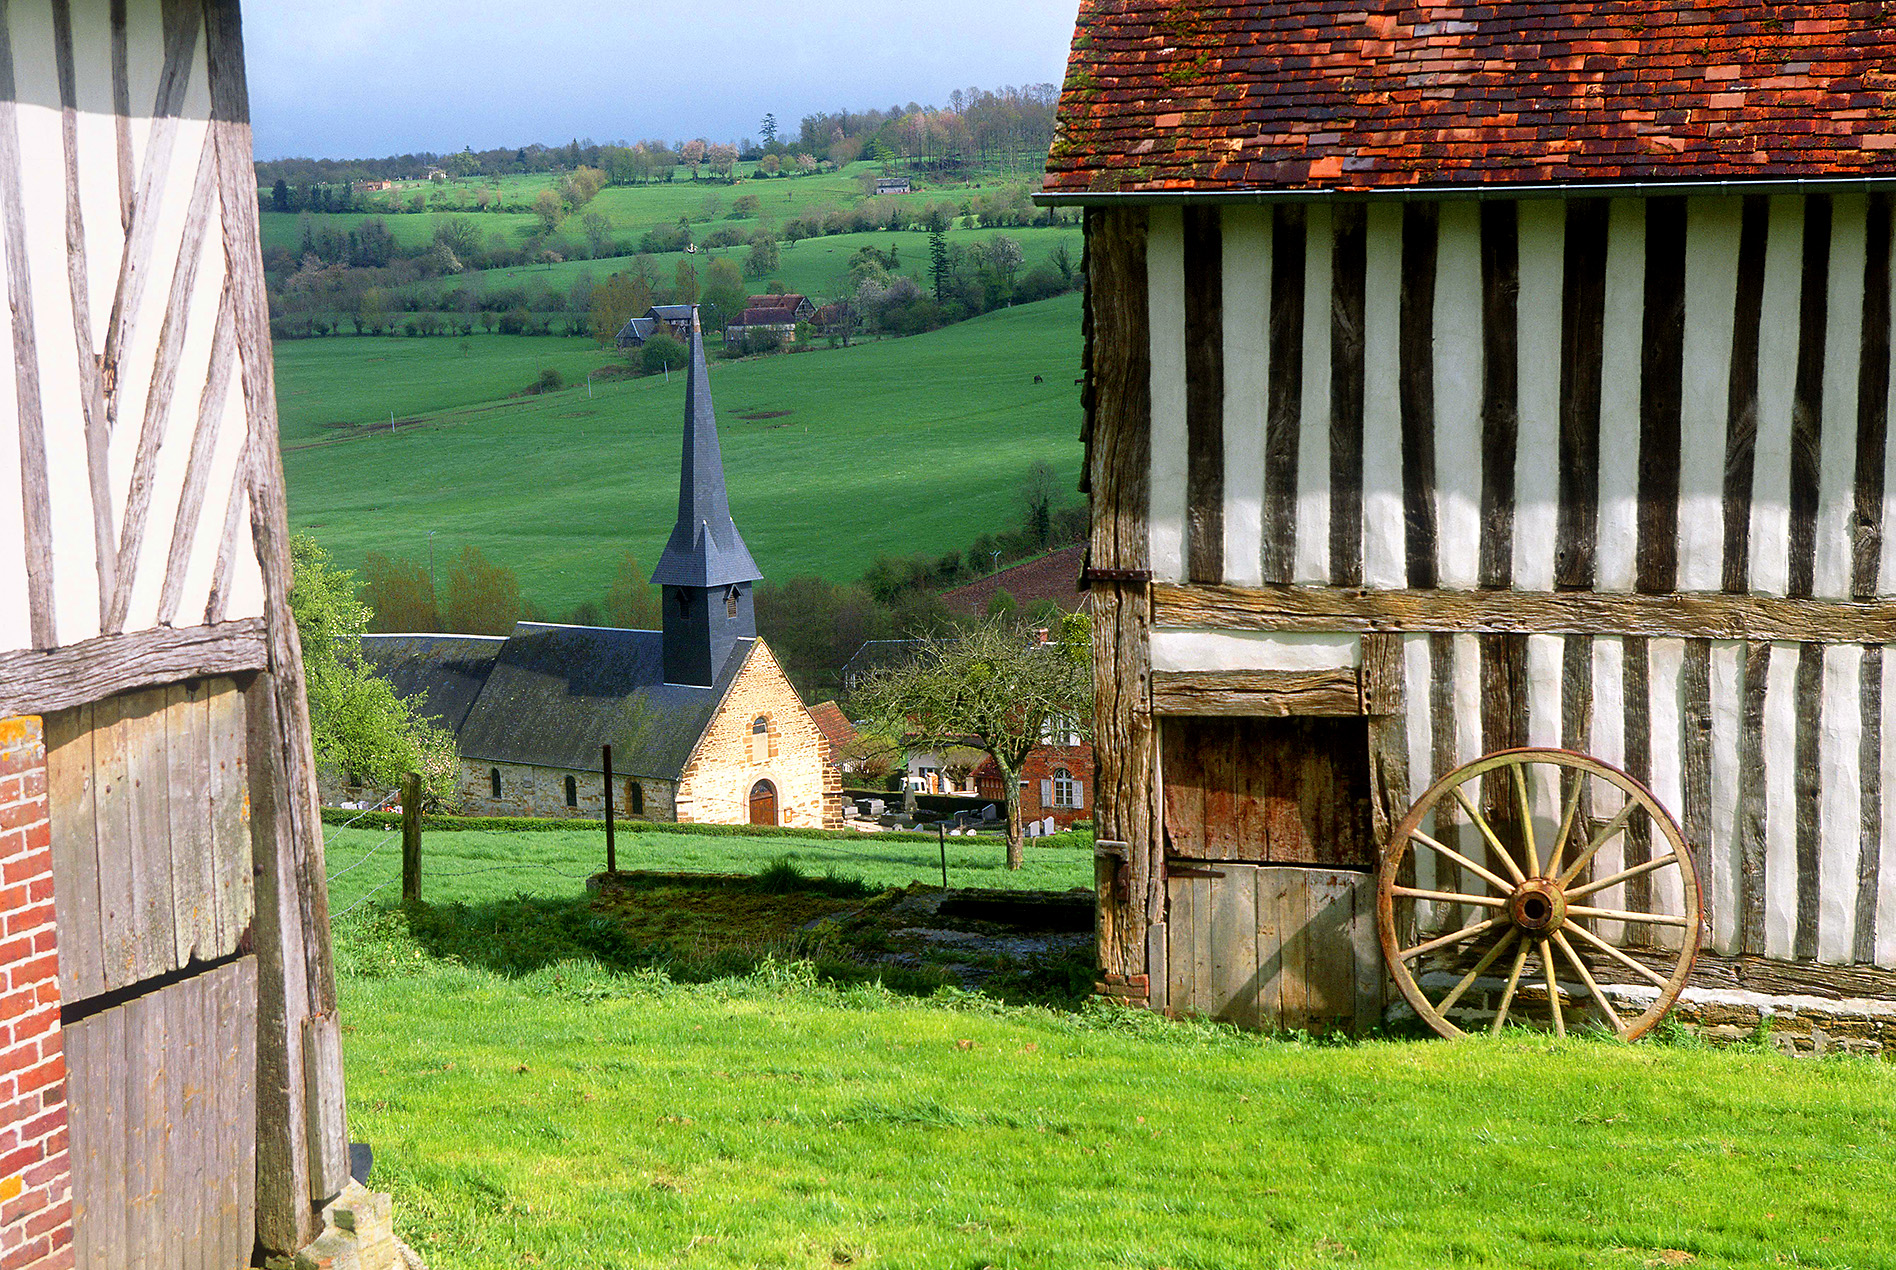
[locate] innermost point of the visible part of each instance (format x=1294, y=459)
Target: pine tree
x=938, y=261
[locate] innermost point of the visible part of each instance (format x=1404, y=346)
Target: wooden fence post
x=612, y=857
x=411, y=837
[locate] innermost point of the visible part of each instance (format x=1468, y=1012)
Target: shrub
x=550, y=380
x=661, y=351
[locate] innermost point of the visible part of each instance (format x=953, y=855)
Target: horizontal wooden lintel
x=35, y=681
x=1256, y=693
x=1699, y=615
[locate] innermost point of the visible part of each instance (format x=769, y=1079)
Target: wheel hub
x=1538, y=905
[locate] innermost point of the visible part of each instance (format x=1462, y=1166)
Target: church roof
x=550, y=696
x=705, y=549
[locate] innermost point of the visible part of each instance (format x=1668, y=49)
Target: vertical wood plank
x=1807, y=395
x=1808, y=784
x=1741, y=426
x=1184, y=792
x=1695, y=747
x=1337, y=896
x=1582, y=326
x=1234, y=944
x=1872, y=423
x=1752, y=785
x=1218, y=764
x=1500, y=372
x=1178, y=937
x=176, y=1199
x=235, y=898
x=1661, y=395
x=192, y=842
x=328, y=1119
x=1349, y=280
x=112, y=806
x=1204, y=934
x=1637, y=838
x=75, y=830
x=1204, y=394
x=1416, y=391
x=1270, y=951
x=118, y=1177
x=149, y=846
x=244, y=1121
x=1443, y=758
x=1284, y=418
x=1869, y=801
x=1293, y=927
x=82, y=1145
x=1366, y=953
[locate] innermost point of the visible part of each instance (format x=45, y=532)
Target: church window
x=730, y=602
x=572, y=792
x=760, y=739
x=493, y=779
x=635, y=797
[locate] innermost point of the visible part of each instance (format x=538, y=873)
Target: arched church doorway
x=763, y=803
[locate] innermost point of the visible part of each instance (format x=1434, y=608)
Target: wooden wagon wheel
x=1509, y=856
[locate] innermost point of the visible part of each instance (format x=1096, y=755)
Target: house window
x=1063, y=789
x=760, y=739
x=635, y=797
x=493, y=779
x=572, y=792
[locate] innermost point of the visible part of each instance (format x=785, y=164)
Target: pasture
x=776, y=1118
x=825, y=452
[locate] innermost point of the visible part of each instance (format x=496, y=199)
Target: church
x=703, y=725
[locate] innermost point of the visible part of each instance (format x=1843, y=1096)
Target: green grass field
x=529, y=1105
x=833, y=457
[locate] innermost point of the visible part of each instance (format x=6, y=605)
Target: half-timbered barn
x=1461, y=381
x=173, y=1088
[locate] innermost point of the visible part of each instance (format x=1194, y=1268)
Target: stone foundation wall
x=541, y=791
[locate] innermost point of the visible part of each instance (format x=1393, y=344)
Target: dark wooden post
x=612, y=857
x=411, y=837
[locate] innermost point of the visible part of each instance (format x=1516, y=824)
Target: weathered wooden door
x=763, y=803
x=1274, y=946
x=153, y=901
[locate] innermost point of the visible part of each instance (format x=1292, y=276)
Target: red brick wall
x=1039, y=768
x=35, y=1176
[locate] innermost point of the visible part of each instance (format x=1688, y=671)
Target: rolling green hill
x=833, y=457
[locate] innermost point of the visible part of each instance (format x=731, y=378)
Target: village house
x=703, y=724
x=770, y=314
x=678, y=320
x=1053, y=780
x=172, y=1047
x=1454, y=387
x=893, y=185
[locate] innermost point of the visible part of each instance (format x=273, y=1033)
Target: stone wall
x=541, y=791
x=726, y=765
x=35, y=1173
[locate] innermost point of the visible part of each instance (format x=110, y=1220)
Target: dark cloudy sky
x=355, y=78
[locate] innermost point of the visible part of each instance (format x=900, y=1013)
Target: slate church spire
x=706, y=571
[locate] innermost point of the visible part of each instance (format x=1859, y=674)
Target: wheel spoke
x=1553, y=988
x=1586, y=977
x=1600, y=840
x=1514, y=981
x=1566, y=823
x=1634, y=966
x=1448, y=897
x=1636, y=871
x=1465, y=862
x=1487, y=831
x=1468, y=980
x=1527, y=819
x=1454, y=937
x=1621, y=915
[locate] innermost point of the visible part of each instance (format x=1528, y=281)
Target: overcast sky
x=366, y=78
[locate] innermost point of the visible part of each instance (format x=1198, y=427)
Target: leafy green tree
x=764, y=257
x=662, y=352
x=724, y=288
x=684, y=283
x=360, y=725
x=280, y=196
x=996, y=686
x=400, y=595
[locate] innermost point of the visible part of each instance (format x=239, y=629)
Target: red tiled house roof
x=1054, y=576
x=782, y=300
x=835, y=726
x=1325, y=94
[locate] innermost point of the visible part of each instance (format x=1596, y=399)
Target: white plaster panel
x=1312, y=558
x=1165, y=288
x=1177, y=648
x=1885, y=948
x=1777, y=375
x=1780, y=802
x=1384, y=562
x=1727, y=704
x=1458, y=360
x=1843, y=359
x=1665, y=662
x=15, y=625
x=218, y=490
x=1247, y=327
x=1623, y=338
x=1542, y=240
x=1840, y=814
x=1711, y=295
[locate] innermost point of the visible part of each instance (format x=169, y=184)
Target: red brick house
x=1054, y=782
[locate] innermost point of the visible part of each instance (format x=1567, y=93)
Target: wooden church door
x=763, y=803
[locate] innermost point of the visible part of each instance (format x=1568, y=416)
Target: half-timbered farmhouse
x=1465, y=381
x=173, y=1089
x=703, y=724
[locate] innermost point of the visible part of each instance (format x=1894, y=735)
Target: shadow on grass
x=693, y=929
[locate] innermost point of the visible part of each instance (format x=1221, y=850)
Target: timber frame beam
x=42, y=682
x=1257, y=693
x=1701, y=615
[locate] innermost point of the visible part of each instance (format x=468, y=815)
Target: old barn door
x=153, y=898
x=1270, y=901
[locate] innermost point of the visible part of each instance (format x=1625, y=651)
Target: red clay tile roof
x=835, y=725
x=1332, y=95
x=1054, y=576
x=782, y=300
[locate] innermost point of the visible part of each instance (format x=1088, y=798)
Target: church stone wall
x=718, y=781
x=541, y=791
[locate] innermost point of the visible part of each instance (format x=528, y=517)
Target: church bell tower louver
x=706, y=571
